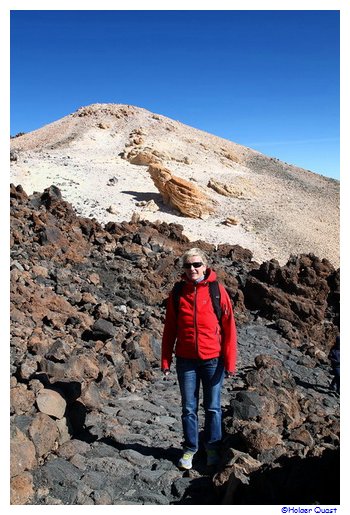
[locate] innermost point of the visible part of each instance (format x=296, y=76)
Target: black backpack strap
x=215, y=298
x=176, y=293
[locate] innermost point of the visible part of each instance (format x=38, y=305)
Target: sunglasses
x=197, y=264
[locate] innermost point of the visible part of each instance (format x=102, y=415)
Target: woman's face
x=194, y=272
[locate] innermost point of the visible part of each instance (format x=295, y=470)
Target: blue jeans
x=190, y=373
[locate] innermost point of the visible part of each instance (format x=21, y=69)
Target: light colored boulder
x=181, y=194
x=228, y=190
x=51, y=402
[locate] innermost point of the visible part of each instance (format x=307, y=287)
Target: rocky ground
x=129, y=450
x=92, y=419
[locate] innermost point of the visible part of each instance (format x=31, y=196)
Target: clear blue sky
x=265, y=79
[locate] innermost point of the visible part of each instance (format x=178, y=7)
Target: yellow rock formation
x=181, y=194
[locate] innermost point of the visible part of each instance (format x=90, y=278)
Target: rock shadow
x=310, y=480
x=75, y=410
x=157, y=199
x=140, y=196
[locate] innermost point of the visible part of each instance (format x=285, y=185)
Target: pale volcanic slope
x=278, y=209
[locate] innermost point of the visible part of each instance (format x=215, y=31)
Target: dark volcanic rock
x=298, y=297
x=93, y=421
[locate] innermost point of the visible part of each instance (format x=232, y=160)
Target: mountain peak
x=99, y=157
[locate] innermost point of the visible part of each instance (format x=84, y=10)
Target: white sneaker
x=185, y=461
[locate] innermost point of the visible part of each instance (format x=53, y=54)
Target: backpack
x=214, y=291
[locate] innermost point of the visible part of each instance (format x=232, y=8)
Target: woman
x=205, y=348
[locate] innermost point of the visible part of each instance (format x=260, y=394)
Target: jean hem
x=188, y=449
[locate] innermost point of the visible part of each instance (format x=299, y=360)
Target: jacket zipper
x=195, y=319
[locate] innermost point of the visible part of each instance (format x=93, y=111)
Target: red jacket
x=195, y=331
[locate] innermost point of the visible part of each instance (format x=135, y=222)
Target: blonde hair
x=194, y=252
